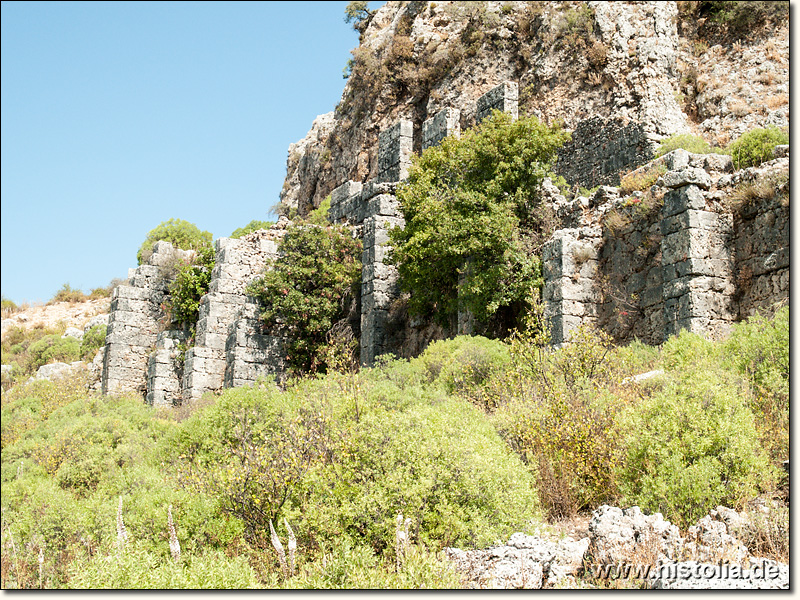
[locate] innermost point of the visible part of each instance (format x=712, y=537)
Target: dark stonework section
x=602, y=148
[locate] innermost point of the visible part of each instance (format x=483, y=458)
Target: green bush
x=342, y=456
x=308, y=290
x=92, y=341
x=687, y=141
x=741, y=19
x=759, y=350
x=555, y=410
x=463, y=364
x=470, y=210
x=181, y=234
x=54, y=348
x=756, y=146
x=692, y=446
x=250, y=228
x=188, y=288
x=350, y=566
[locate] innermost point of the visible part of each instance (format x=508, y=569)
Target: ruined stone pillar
x=135, y=321
x=695, y=257
x=378, y=278
x=395, y=147
x=504, y=97
x=165, y=369
x=571, y=292
x=238, y=262
x=443, y=124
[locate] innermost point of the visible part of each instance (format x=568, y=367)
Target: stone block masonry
x=251, y=354
x=602, y=148
x=570, y=292
x=238, y=262
x=165, y=369
x=762, y=243
x=689, y=261
x=443, y=124
x=135, y=321
x=504, y=97
x=395, y=147
x=696, y=260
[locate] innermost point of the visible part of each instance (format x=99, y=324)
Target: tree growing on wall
x=308, y=290
x=471, y=210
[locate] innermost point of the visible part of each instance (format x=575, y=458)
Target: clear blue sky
x=117, y=116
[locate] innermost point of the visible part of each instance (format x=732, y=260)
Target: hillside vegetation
x=471, y=441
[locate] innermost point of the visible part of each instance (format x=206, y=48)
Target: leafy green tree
x=471, y=209
x=252, y=226
x=306, y=292
x=181, y=234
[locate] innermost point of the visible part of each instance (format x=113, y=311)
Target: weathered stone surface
x=395, y=147
x=600, y=149
x=504, y=97
x=687, y=176
x=526, y=561
x=443, y=124
x=55, y=370
x=73, y=332
x=95, y=321
x=625, y=535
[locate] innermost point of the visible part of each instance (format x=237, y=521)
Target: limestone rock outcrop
x=633, y=67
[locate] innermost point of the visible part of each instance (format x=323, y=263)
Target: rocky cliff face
x=635, y=61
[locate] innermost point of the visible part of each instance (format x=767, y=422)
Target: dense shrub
x=252, y=226
x=556, y=412
x=464, y=363
x=691, y=447
x=470, y=209
x=8, y=307
x=181, y=234
x=759, y=350
x=54, y=348
x=16, y=348
x=341, y=457
x=739, y=19
x=309, y=290
x=756, y=146
x=138, y=567
x=92, y=341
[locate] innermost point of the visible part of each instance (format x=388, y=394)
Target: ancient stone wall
x=165, y=369
x=395, y=147
x=250, y=352
x=443, y=124
x=238, y=262
x=135, y=321
x=761, y=250
x=602, y=148
x=504, y=97
x=645, y=264
x=679, y=256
